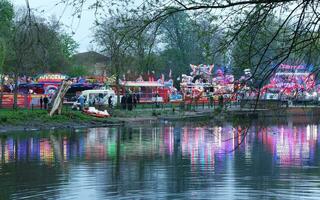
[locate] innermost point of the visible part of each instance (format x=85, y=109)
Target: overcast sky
x=82, y=29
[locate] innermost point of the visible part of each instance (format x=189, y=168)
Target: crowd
x=130, y=101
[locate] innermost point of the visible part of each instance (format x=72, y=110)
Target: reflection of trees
x=168, y=159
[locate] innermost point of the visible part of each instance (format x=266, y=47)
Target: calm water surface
x=164, y=161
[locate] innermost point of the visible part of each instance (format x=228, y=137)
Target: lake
x=166, y=160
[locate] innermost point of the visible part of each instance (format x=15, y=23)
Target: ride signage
x=45, y=78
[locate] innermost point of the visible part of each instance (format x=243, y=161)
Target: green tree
x=76, y=71
x=6, y=16
x=298, y=24
x=254, y=47
x=110, y=35
x=68, y=44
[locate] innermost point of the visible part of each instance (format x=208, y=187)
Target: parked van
x=97, y=97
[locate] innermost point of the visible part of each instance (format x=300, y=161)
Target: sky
x=82, y=28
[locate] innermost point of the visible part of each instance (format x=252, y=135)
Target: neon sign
x=52, y=78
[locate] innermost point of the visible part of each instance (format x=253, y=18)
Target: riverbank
x=23, y=119
x=28, y=120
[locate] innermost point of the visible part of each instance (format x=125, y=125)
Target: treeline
x=258, y=40
x=30, y=44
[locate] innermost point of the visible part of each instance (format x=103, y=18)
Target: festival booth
x=31, y=90
x=203, y=84
x=243, y=88
x=148, y=91
x=223, y=84
x=291, y=82
x=195, y=86
x=51, y=82
x=151, y=91
x=44, y=85
x=48, y=84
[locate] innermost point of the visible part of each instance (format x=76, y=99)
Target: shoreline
x=77, y=120
x=43, y=122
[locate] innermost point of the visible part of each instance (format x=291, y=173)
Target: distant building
x=96, y=62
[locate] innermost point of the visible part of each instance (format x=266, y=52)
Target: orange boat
x=92, y=111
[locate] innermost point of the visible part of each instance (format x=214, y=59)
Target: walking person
x=45, y=102
x=41, y=102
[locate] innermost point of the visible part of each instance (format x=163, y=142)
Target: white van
x=97, y=97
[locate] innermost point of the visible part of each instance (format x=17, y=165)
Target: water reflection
x=164, y=161
x=291, y=146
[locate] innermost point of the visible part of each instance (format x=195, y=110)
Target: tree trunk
x=118, y=92
x=1, y=92
x=15, y=92
x=116, y=64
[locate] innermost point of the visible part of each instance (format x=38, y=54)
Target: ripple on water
x=162, y=162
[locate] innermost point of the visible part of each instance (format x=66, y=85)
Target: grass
x=41, y=117
x=25, y=116
x=140, y=113
x=36, y=117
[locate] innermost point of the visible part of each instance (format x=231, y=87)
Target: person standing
x=110, y=102
x=81, y=101
x=129, y=102
x=45, y=102
x=138, y=95
x=134, y=100
x=41, y=102
x=221, y=101
x=123, y=102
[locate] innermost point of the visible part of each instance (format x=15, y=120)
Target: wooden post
x=58, y=101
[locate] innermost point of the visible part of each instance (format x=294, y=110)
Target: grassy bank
x=23, y=119
x=41, y=119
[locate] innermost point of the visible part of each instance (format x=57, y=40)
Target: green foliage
x=255, y=46
x=36, y=46
x=75, y=71
x=173, y=44
x=68, y=44
x=6, y=16
x=249, y=34
x=41, y=117
x=2, y=53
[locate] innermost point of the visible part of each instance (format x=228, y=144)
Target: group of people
x=130, y=101
x=44, y=101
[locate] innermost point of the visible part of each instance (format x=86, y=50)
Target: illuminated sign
x=52, y=78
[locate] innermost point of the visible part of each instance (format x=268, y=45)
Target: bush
x=3, y=119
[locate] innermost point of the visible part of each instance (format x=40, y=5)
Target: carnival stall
x=51, y=82
x=32, y=89
x=291, y=82
x=151, y=91
x=203, y=84
x=146, y=91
